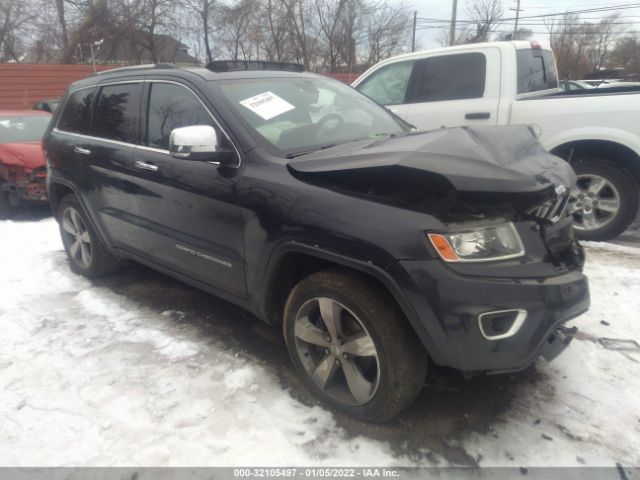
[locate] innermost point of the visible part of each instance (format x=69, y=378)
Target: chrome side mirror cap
x=199, y=143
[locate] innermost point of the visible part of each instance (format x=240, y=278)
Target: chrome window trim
x=145, y=147
x=153, y=149
x=521, y=316
x=91, y=137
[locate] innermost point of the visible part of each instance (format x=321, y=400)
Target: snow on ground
x=588, y=413
x=91, y=377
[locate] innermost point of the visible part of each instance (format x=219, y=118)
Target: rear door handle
x=82, y=151
x=478, y=116
x=146, y=166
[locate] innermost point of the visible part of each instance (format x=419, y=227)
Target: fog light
x=501, y=324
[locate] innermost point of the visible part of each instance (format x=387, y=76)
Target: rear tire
x=605, y=199
x=372, y=380
x=85, y=251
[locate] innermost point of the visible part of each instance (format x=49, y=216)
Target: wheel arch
x=614, y=152
x=293, y=261
x=56, y=191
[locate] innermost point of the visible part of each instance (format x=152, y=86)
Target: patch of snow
x=89, y=377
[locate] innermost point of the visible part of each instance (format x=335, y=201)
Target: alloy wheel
x=595, y=202
x=77, y=237
x=336, y=351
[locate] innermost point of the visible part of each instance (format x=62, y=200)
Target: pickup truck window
x=388, y=85
x=115, y=115
x=536, y=70
x=449, y=77
x=75, y=116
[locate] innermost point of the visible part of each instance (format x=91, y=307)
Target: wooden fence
x=21, y=84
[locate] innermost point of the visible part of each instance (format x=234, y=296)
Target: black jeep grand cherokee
x=377, y=248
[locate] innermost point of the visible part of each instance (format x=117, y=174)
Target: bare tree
x=15, y=18
x=330, y=15
x=387, y=30
x=486, y=15
x=606, y=32
x=626, y=54
x=205, y=11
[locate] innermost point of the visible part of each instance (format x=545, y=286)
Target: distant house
x=138, y=51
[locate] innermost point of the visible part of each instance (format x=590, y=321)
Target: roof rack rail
x=220, y=66
x=146, y=66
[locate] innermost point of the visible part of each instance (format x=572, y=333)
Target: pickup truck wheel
x=5, y=205
x=604, y=201
x=352, y=347
x=87, y=255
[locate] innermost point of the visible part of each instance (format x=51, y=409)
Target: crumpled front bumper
x=25, y=187
x=450, y=306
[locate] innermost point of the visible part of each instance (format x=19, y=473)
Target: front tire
x=85, y=251
x=352, y=346
x=604, y=201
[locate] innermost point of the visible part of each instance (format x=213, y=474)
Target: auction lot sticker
x=267, y=105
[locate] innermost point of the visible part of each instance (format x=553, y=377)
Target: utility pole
x=413, y=38
x=452, y=33
x=515, y=28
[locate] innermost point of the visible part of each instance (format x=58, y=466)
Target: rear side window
x=450, y=77
x=116, y=113
x=77, y=112
x=172, y=106
x=536, y=70
x=388, y=85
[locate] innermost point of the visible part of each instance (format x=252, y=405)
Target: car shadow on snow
x=32, y=213
x=448, y=410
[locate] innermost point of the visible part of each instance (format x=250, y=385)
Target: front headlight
x=478, y=244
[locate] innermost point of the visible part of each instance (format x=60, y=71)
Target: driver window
x=388, y=85
x=172, y=106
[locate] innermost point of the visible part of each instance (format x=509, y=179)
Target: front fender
x=382, y=276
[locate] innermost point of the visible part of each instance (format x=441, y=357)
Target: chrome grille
x=554, y=209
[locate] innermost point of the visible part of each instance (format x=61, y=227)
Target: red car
x=22, y=165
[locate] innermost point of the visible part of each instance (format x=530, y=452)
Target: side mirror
x=200, y=143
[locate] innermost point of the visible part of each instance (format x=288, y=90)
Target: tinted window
x=450, y=77
x=388, y=85
x=76, y=113
x=536, y=70
x=115, y=114
x=172, y=106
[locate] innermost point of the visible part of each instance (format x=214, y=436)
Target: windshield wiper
x=299, y=154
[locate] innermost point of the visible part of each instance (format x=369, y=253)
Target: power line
x=574, y=12
x=533, y=32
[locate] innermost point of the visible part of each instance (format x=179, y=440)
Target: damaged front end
x=24, y=185
x=464, y=177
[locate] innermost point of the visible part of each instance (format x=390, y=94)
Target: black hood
x=472, y=159
x=451, y=172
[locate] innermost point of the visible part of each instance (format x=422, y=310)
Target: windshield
x=23, y=128
x=302, y=114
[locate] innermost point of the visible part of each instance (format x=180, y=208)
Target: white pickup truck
x=503, y=83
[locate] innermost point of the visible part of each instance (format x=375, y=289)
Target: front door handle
x=478, y=116
x=150, y=167
x=82, y=151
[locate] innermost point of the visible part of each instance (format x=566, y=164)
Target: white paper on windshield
x=267, y=105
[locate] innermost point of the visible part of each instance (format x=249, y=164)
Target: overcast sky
x=441, y=10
